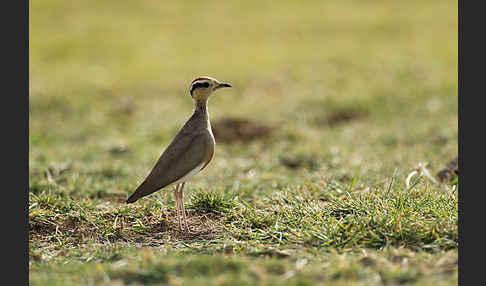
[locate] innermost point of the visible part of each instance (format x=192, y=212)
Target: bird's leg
x=181, y=197
x=177, y=200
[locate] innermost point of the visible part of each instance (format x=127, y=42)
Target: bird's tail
x=142, y=190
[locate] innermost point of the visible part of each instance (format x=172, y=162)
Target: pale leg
x=181, y=197
x=177, y=200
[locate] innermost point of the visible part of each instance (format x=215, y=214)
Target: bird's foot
x=188, y=231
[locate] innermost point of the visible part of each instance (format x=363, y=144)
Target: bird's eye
x=205, y=84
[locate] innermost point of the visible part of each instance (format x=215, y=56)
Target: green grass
x=355, y=94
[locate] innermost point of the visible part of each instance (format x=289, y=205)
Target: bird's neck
x=201, y=107
x=201, y=112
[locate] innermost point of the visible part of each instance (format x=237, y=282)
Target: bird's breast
x=210, y=148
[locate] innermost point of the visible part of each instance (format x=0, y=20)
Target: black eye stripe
x=204, y=84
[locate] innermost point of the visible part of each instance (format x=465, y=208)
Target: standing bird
x=190, y=151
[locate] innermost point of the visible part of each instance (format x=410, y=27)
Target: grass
x=334, y=104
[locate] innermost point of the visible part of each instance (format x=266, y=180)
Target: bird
x=189, y=152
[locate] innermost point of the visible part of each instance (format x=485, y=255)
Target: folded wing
x=184, y=153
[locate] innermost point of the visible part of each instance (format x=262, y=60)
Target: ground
x=333, y=105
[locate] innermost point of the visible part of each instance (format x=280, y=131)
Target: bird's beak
x=223, y=84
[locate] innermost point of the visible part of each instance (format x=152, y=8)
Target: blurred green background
x=103, y=72
x=336, y=91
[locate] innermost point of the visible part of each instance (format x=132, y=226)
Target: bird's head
x=202, y=87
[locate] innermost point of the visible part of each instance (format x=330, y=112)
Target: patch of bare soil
x=231, y=129
x=151, y=229
x=300, y=161
x=340, y=117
